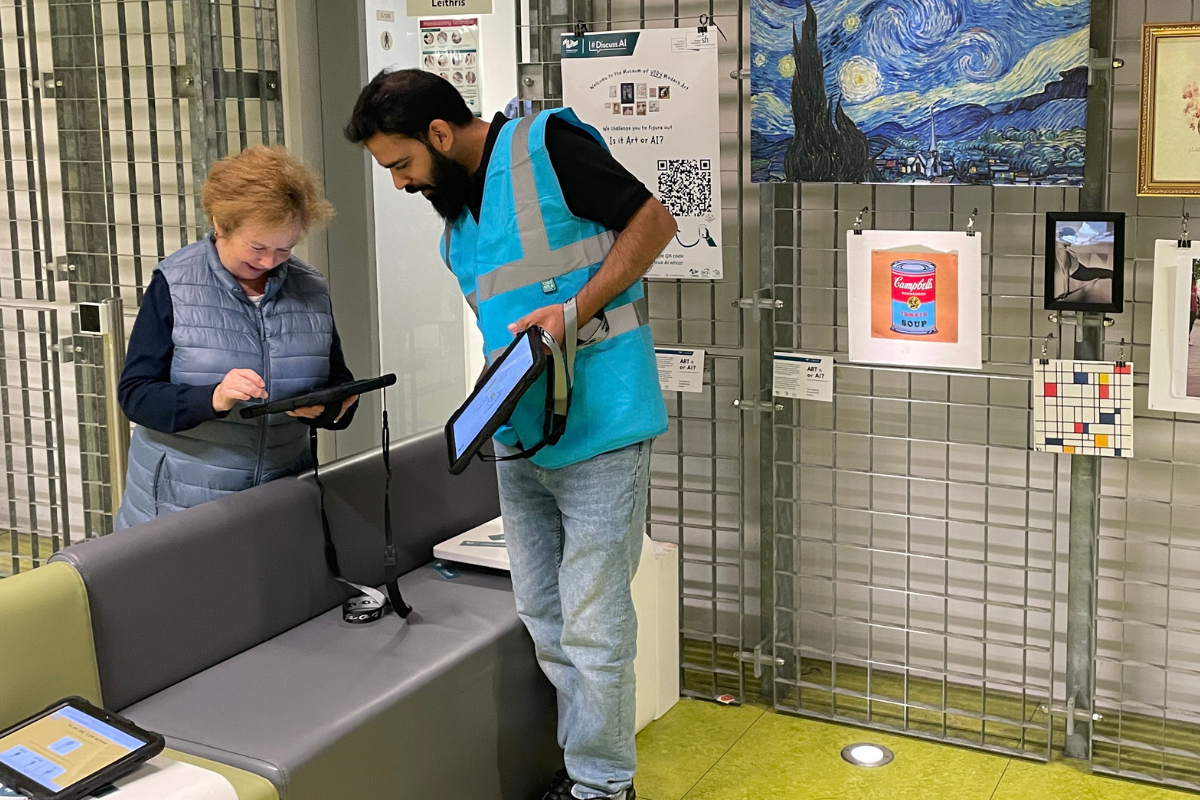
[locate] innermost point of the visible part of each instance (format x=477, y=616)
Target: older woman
x=229, y=319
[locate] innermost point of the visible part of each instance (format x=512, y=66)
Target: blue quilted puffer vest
x=286, y=340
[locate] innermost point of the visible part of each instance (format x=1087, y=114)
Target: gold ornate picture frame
x=1169, y=130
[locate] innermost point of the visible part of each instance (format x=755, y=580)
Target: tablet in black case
x=71, y=749
x=321, y=397
x=495, y=399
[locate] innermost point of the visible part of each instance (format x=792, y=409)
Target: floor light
x=865, y=754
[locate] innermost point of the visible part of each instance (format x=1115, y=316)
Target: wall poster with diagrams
x=450, y=48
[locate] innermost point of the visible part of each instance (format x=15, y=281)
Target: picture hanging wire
x=1185, y=241
x=971, y=222
x=705, y=21
x=858, y=221
x=1045, y=345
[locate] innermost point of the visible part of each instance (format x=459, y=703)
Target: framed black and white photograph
x=1085, y=261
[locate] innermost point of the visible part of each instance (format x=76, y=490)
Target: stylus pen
x=481, y=544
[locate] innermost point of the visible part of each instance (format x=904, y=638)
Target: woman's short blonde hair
x=264, y=185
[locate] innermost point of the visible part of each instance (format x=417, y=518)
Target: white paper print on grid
x=967, y=352
x=1083, y=408
x=1170, y=330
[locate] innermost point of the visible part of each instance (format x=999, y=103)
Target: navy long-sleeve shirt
x=146, y=392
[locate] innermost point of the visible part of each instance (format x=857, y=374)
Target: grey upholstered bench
x=221, y=628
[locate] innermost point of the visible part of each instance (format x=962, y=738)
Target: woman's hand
x=239, y=384
x=312, y=412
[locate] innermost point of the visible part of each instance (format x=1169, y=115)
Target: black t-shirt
x=594, y=184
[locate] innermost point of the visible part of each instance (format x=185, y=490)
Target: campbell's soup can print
x=914, y=297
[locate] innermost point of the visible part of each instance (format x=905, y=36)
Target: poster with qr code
x=1083, y=408
x=652, y=95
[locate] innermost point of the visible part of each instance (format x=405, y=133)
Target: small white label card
x=680, y=370
x=803, y=377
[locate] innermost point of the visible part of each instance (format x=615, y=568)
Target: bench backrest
x=176, y=595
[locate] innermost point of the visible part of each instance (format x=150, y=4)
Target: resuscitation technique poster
x=450, y=48
x=652, y=94
x=914, y=298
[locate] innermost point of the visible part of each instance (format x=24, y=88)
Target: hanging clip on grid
x=858, y=221
x=705, y=21
x=1121, y=354
x=971, y=223
x=1185, y=241
x=581, y=27
x=1045, y=345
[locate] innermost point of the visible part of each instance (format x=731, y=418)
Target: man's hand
x=238, y=385
x=548, y=318
x=312, y=412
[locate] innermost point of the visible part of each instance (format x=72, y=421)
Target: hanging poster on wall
x=1083, y=408
x=935, y=91
x=652, y=94
x=450, y=48
x=1174, y=340
x=914, y=298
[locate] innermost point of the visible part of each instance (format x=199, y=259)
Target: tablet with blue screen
x=70, y=750
x=494, y=399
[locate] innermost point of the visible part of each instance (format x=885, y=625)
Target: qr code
x=685, y=186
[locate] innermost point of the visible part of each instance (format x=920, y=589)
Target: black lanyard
x=368, y=605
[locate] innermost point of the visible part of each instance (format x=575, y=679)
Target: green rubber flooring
x=705, y=751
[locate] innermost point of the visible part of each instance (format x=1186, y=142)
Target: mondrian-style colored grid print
x=1083, y=407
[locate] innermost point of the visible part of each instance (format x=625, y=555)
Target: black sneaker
x=561, y=789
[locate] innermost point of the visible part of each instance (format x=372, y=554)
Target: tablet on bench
x=71, y=749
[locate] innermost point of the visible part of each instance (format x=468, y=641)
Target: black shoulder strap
x=389, y=564
x=390, y=578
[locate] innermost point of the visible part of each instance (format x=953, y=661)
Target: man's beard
x=451, y=186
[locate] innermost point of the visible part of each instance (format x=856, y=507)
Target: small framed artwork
x=1085, y=261
x=1169, y=133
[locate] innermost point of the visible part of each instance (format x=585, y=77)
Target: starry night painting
x=919, y=91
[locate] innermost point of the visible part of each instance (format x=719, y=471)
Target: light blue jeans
x=574, y=539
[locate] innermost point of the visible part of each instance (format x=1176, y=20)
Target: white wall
x=427, y=335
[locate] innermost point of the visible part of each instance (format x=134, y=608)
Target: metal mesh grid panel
x=696, y=502
x=1148, y=586
x=914, y=529
x=107, y=134
x=698, y=480
x=33, y=522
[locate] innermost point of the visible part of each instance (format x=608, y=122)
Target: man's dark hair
x=404, y=102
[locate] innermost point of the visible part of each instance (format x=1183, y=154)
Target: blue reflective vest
x=528, y=251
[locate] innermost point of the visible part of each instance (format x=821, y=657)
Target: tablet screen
x=498, y=387
x=65, y=747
